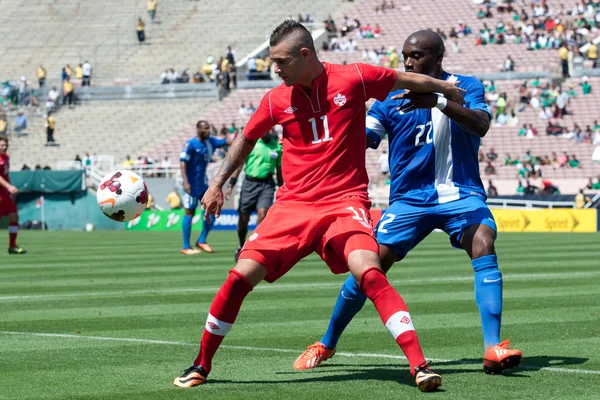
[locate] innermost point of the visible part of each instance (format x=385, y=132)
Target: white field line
x=269, y=287
x=276, y=350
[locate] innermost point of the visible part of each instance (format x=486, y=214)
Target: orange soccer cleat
x=190, y=251
x=314, y=355
x=193, y=376
x=204, y=247
x=426, y=379
x=500, y=357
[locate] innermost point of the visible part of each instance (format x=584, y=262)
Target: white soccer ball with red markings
x=122, y=195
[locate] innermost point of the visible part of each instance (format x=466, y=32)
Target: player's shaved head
x=423, y=53
x=427, y=40
x=293, y=33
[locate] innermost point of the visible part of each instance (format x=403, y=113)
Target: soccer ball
x=122, y=195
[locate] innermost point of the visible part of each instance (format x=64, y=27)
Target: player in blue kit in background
x=194, y=159
x=435, y=184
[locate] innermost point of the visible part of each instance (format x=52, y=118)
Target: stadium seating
x=105, y=127
x=59, y=32
x=583, y=111
x=411, y=15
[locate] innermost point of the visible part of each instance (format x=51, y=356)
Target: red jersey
x=4, y=168
x=324, y=141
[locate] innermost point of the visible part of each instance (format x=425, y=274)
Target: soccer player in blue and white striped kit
x=435, y=184
x=194, y=159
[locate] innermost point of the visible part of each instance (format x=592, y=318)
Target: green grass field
x=117, y=315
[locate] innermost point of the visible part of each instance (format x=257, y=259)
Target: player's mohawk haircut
x=288, y=28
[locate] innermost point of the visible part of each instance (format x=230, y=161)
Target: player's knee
x=190, y=212
x=13, y=218
x=251, y=271
x=483, y=244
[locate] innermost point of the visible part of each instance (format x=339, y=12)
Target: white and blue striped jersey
x=432, y=159
x=197, y=154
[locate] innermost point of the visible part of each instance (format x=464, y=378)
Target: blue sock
x=205, y=229
x=186, y=227
x=488, y=296
x=350, y=301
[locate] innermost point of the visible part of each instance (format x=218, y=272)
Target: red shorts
x=293, y=230
x=7, y=205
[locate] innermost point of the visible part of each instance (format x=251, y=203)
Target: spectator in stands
x=562, y=100
x=523, y=131
x=198, y=77
x=79, y=72
x=233, y=129
x=50, y=124
x=531, y=132
x=165, y=166
x=151, y=7
x=491, y=155
x=184, y=77
x=129, y=161
x=139, y=28
x=41, y=75
x=592, y=53
x=21, y=122
x=174, y=199
x=592, y=185
x=87, y=74
x=68, y=92
x=549, y=188
x=585, y=86
x=490, y=169
x=520, y=188
x=23, y=91
x=224, y=131
x=67, y=72
x=563, y=55
x=230, y=54
x=484, y=12
x=393, y=58
x=509, y=64
x=441, y=33
x=529, y=188
x=52, y=100
x=251, y=67
x=492, y=191
x=574, y=162
x=233, y=75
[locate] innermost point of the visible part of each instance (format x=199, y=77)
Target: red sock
x=223, y=312
x=393, y=313
x=13, y=229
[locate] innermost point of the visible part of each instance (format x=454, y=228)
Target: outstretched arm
x=425, y=84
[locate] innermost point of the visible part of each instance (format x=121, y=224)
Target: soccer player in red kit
x=323, y=206
x=7, y=203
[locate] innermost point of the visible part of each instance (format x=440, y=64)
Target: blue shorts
x=404, y=225
x=190, y=202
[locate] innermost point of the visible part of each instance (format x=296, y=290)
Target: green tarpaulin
x=44, y=181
